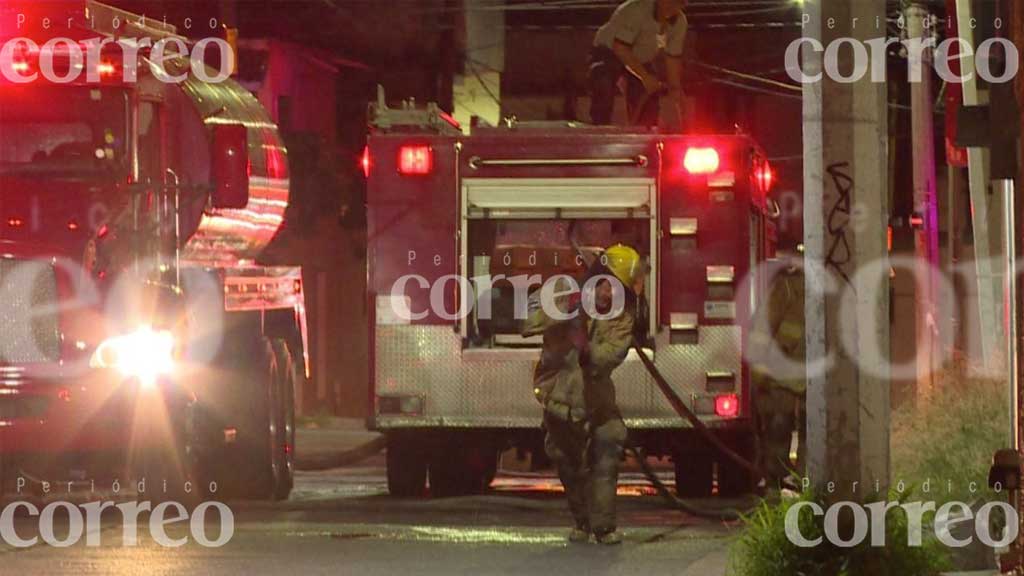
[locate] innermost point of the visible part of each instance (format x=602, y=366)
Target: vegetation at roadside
x=764, y=549
x=945, y=440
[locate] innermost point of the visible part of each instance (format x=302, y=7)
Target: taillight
x=765, y=177
x=415, y=159
x=727, y=405
x=701, y=160
x=105, y=69
x=364, y=161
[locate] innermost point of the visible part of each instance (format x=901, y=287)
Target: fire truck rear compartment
x=479, y=374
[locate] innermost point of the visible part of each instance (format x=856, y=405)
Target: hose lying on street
x=724, y=514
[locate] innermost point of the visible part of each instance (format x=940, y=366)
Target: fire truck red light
x=765, y=178
x=364, y=161
x=415, y=160
x=701, y=160
x=105, y=69
x=15, y=222
x=20, y=67
x=727, y=406
x=72, y=225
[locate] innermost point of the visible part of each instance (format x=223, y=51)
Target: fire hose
x=683, y=411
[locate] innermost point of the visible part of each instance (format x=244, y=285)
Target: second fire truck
x=451, y=376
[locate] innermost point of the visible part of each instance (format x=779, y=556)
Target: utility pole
x=845, y=216
x=477, y=92
x=990, y=282
x=926, y=214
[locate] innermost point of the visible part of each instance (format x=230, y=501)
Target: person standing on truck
x=642, y=38
x=778, y=372
x=572, y=380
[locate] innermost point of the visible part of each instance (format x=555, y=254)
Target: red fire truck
x=451, y=382
x=143, y=335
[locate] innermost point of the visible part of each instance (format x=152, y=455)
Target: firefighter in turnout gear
x=778, y=372
x=572, y=380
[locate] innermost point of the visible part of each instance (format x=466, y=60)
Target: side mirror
x=229, y=168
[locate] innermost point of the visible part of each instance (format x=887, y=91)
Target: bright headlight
x=144, y=354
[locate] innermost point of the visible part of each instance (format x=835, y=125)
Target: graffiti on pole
x=839, y=254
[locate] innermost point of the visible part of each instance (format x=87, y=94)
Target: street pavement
x=341, y=521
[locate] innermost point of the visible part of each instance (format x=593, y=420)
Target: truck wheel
x=285, y=449
x=406, y=466
x=450, y=476
x=261, y=472
x=467, y=468
x=164, y=462
x=694, y=474
x=733, y=479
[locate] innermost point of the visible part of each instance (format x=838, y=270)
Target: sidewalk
x=333, y=442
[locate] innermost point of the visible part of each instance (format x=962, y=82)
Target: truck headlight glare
x=145, y=354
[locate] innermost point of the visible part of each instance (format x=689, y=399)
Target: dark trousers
x=604, y=74
x=779, y=413
x=588, y=468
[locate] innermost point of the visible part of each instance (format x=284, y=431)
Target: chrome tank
x=223, y=237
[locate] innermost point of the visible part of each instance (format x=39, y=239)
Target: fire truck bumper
x=72, y=429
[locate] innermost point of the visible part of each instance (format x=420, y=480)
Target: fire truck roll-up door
x=560, y=199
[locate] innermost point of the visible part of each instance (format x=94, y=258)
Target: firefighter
x=642, y=38
x=778, y=371
x=572, y=380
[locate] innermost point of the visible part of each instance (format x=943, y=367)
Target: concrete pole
x=926, y=237
x=477, y=92
x=990, y=329
x=845, y=216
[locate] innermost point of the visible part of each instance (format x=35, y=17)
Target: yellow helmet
x=624, y=262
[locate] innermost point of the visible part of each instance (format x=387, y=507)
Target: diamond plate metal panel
x=494, y=388
x=28, y=312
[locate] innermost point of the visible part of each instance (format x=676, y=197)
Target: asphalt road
x=342, y=522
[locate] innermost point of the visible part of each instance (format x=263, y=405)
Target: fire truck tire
x=285, y=449
x=694, y=474
x=450, y=476
x=733, y=479
x=462, y=467
x=406, y=466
